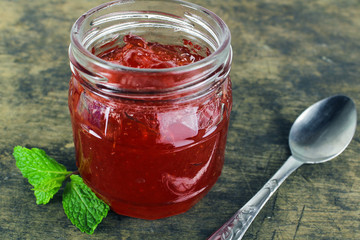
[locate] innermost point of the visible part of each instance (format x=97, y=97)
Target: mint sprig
x=84, y=209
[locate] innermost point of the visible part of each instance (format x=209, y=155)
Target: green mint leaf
x=84, y=209
x=43, y=172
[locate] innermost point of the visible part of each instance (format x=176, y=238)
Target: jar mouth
x=221, y=39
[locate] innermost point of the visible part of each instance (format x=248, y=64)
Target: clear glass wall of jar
x=150, y=142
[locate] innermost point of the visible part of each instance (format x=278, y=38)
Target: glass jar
x=149, y=142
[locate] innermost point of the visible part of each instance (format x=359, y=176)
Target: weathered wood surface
x=287, y=55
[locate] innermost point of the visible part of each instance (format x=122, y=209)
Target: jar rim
x=76, y=41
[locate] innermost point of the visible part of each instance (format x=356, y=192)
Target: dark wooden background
x=287, y=55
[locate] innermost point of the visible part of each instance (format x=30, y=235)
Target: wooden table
x=287, y=55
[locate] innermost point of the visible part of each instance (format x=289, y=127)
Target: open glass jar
x=149, y=142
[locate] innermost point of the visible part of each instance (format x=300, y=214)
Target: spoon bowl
x=319, y=134
x=324, y=130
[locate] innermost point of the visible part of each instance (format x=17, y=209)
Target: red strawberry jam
x=138, y=53
x=149, y=158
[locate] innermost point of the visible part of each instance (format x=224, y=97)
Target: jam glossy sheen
x=150, y=159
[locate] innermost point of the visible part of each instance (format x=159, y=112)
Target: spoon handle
x=236, y=227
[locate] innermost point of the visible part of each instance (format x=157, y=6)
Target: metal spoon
x=319, y=134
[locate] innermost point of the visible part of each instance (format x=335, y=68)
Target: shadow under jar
x=150, y=142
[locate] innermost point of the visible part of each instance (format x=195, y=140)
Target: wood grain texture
x=287, y=55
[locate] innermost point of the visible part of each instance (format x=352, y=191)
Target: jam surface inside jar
x=139, y=53
x=150, y=159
